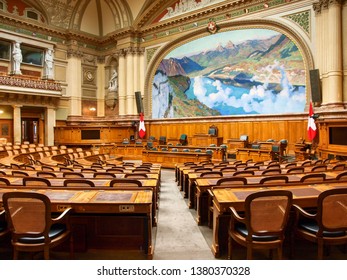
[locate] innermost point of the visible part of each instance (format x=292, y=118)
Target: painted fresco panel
x=239, y=72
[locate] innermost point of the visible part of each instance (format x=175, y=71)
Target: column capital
x=74, y=53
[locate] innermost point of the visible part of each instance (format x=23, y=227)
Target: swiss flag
x=311, y=125
x=142, y=128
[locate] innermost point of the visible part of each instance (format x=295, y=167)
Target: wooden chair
x=274, y=166
x=66, y=169
x=320, y=168
x=232, y=181
x=36, y=181
x=31, y=225
x=136, y=175
x=19, y=173
x=45, y=174
x=313, y=177
x=72, y=174
x=3, y=225
x=15, y=166
x=340, y=166
x=328, y=226
x=254, y=167
x=100, y=174
x=3, y=173
x=291, y=164
x=281, y=179
x=83, y=183
x=263, y=224
x=115, y=170
x=228, y=169
x=212, y=174
x=125, y=182
x=47, y=168
x=89, y=170
x=4, y=182
x=306, y=163
x=342, y=176
x=244, y=173
x=271, y=171
x=295, y=170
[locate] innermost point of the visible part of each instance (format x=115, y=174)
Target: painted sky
x=236, y=36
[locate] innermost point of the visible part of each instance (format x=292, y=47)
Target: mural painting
x=240, y=72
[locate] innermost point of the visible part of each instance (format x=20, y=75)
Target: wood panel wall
x=72, y=135
x=292, y=128
x=256, y=129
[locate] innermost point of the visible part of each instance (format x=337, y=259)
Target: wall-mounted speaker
x=139, y=104
x=316, y=94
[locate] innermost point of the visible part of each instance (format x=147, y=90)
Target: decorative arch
x=230, y=26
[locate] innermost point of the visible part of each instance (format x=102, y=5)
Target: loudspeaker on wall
x=316, y=94
x=139, y=104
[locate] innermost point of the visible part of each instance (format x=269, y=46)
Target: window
x=5, y=49
x=32, y=55
x=32, y=15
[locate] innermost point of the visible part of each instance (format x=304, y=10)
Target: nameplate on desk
x=59, y=195
x=305, y=192
x=114, y=197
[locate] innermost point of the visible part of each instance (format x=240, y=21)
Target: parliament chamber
x=174, y=129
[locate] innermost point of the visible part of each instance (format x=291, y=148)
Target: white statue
x=49, y=64
x=113, y=84
x=17, y=58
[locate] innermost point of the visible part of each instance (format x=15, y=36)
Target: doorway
x=30, y=130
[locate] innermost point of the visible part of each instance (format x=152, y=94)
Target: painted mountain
x=249, y=71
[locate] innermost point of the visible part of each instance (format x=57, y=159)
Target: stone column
x=50, y=118
x=100, y=93
x=74, y=82
x=17, y=124
x=130, y=94
x=344, y=50
x=121, y=83
x=329, y=51
x=335, y=53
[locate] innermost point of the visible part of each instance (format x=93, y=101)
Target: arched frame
x=236, y=25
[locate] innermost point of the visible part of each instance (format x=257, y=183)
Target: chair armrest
x=300, y=211
x=235, y=215
x=63, y=216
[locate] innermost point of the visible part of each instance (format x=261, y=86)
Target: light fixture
x=92, y=109
x=1, y=111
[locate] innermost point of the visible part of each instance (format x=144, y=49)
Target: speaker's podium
x=207, y=139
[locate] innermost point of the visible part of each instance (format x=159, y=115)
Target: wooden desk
x=170, y=159
x=200, y=195
x=206, y=140
x=245, y=154
x=304, y=195
x=113, y=219
x=100, y=184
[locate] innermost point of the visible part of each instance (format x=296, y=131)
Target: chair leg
x=279, y=252
x=72, y=256
x=230, y=240
x=46, y=253
x=15, y=254
x=320, y=250
x=249, y=252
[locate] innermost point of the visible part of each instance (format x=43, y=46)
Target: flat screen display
x=90, y=134
x=338, y=135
